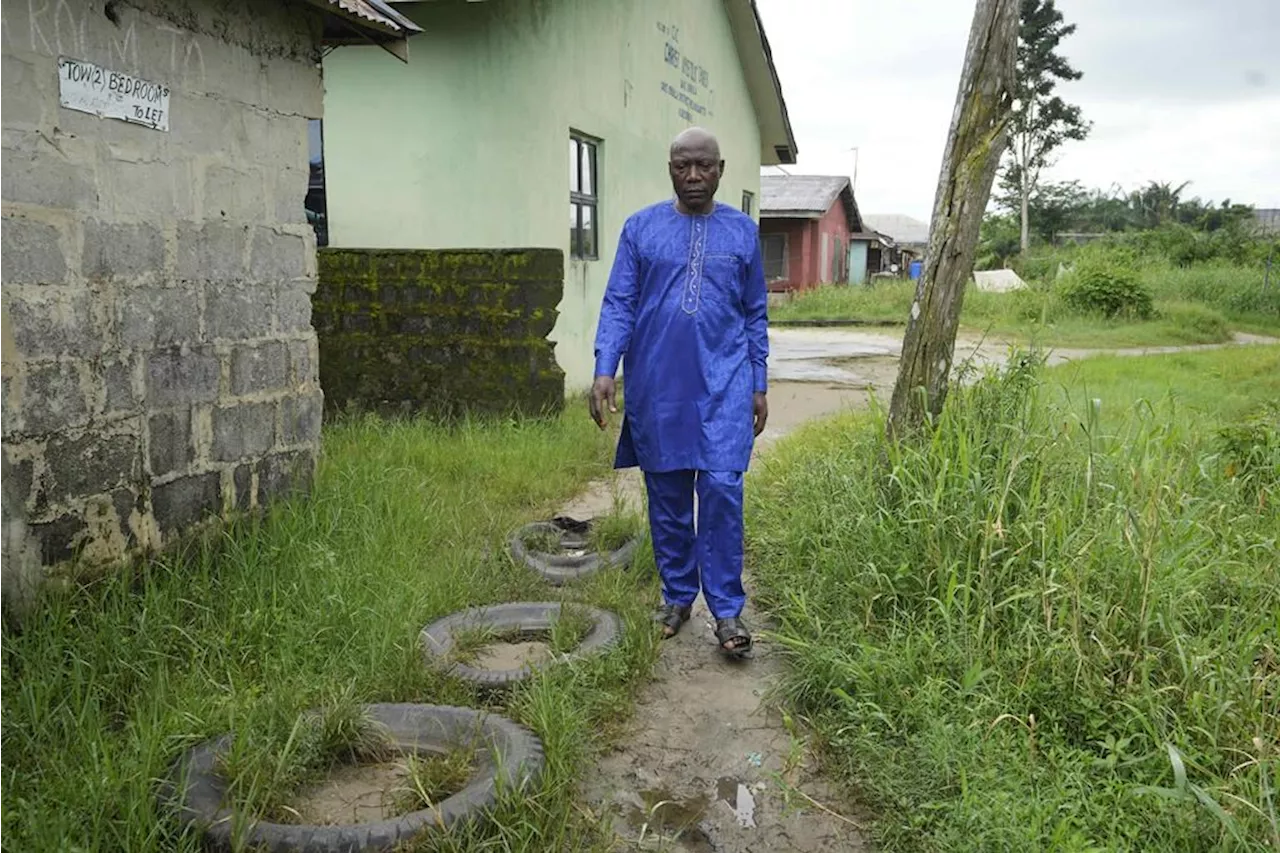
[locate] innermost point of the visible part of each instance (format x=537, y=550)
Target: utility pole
x=854, y=188
x=979, y=132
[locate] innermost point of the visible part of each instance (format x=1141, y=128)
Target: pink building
x=811, y=232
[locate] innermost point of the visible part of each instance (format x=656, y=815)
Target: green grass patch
x=1203, y=389
x=317, y=606
x=1192, y=305
x=1052, y=624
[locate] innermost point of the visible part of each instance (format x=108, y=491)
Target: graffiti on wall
x=690, y=86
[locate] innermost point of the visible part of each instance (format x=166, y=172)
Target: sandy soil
x=355, y=793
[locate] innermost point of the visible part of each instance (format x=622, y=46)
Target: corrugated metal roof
x=376, y=12
x=799, y=193
x=807, y=196
x=902, y=228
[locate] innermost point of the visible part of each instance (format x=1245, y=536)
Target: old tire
x=561, y=569
x=519, y=617
x=197, y=791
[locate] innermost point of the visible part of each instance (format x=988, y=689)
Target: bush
x=1106, y=283
x=1201, y=322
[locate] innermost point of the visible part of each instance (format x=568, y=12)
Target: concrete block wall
x=159, y=362
x=441, y=331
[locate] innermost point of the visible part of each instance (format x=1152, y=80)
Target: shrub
x=1106, y=283
x=1201, y=322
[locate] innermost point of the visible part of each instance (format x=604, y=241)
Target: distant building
x=811, y=232
x=907, y=232
x=1267, y=220
x=905, y=239
x=466, y=146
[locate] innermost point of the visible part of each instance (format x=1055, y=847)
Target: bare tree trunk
x=977, y=138
x=1025, y=179
x=1026, y=210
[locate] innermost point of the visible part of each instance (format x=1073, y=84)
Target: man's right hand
x=603, y=391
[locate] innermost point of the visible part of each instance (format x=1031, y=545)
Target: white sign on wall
x=92, y=89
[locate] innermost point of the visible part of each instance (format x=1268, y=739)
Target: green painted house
x=543, y=123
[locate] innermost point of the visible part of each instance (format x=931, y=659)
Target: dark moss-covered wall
x=445, y=331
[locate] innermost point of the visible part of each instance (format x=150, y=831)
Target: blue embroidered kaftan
x=686, y=311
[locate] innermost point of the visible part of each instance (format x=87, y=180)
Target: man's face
x=695, y=172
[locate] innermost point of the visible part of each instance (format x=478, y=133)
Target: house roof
x=777, y=141
x=807, y=197
x=899, y=226
x=365, y=22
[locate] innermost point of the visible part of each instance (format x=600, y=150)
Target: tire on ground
x=509, y=757
x=521, y=617
x=560, y=569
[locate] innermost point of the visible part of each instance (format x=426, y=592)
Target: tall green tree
x=1041, y=120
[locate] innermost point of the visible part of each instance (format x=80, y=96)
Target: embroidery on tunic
x=697, y=252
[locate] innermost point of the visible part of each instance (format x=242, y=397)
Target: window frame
x=748, y=202
x=578, y=200
x=786, y=259
x=315, y=202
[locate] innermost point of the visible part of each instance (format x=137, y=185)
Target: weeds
x=317, y=606
x=430, y=779
x=612, y=531
x=1004, y=634
x=569, y=629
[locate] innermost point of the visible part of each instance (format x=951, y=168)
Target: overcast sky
x=1177, y=90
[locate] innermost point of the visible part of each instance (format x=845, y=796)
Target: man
x=686, y=306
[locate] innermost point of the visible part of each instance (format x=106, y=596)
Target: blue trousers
x=709, y=557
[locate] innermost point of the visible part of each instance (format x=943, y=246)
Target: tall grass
x=319, y=605
x=1053, y=624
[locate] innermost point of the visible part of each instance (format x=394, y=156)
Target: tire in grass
x=520, y=618
x=560, y=569
x=198, y=792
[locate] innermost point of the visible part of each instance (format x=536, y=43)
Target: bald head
x=695, y=167
x=695, y=139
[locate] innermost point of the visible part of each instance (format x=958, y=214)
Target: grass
x=567, y=631
x=434, y=778
x=610, y=532
x=1054, y=623
x=317, y=606
x=1194, y=305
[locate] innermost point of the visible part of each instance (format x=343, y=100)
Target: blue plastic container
x=914, y=269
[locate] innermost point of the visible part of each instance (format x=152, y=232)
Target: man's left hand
x=760, y=411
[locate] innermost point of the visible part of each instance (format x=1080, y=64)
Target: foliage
x=1056, y=208
x=319, y=605
x=1041, y=121
x=998, y=242
x=1052, y=625
x=1251, y=450
x=1108, y=285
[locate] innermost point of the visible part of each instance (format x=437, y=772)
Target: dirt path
x=708, y=766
